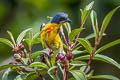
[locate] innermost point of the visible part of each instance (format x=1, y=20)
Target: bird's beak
x=68, y=20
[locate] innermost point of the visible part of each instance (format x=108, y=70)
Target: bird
x=51, y=35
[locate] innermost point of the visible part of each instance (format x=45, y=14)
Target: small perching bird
x=50, y=37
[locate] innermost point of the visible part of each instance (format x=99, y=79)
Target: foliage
x=34, y=65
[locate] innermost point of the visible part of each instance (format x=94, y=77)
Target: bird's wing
x=60, y=33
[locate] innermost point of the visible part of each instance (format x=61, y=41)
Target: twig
x=97, y=42
x=30, y=56
x=65, y=39
x=56, y=73
x=65, y=72
x=81, y=26
x=24, y=53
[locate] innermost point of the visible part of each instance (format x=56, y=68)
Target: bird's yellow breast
x=50, y=37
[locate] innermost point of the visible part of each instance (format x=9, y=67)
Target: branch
x=81, y=26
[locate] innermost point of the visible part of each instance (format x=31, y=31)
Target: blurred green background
x=17, y=15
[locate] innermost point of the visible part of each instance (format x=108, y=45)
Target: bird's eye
x=60, y=18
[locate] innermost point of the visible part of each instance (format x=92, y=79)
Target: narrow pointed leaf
x=107, y=46
x=92, y=35
x=35, y=54
x=86, y=12
x=78, y=75
x=78, y=63
x=33, y=75
x=74, y=33
x=54, y=57
x=86, y=44
x=94, y=23
x=5, y=75
x=20, y=77
x=110, y=77
x=89, y=6
x=68, y=28
x=48, y=61
x=107, y=20
x=100, y=58
x=50, y=69
x=21, y=36
x=7, y=42
x=38, y=64
x=83, y=68
x=36, y=39
x=6, y=66
x=12, y=38
x=79, y=52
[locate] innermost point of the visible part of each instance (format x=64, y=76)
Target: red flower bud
x=17, y=57
x=69, y=56
x=21, y=46
x=15, y=50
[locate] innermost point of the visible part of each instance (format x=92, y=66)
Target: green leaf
x=9, y=75
x=94, y=23
x=51, y=74
x=74, y=33
x=106, y=21
x=53, y=57
x=6, y=66
x=65, y=47
x=111, y=77
x=86, y=44
x=90, y=73
x=31, y=76
x=59, y=66
x=89, y=6
x=38, y=64
x=25, y=60
x=5, y=75
x=28, y=41
x=92, y=35
x=68, y=28
x=86, y=12
x=78, y=75
x=79, y=52
x=54, y=67
x=100, y=58
x=12, y=38
x=107, y=46
x=35, y=39
x=72, y=78
x=83, y=68
x=34, y=76
x=78, y=63
x=48, y=61
x=20, y=77
x=35, y=54
x=7, y=42
x=21, y=36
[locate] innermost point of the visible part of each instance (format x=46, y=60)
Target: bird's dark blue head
x=60, y=18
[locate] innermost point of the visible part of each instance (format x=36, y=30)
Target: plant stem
x=65, y=39
x=65, y=72
x=81, y=26
x=56, y=73
x=89, y=62
x=30, y=56
x=24, y=53
x=97, y=42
